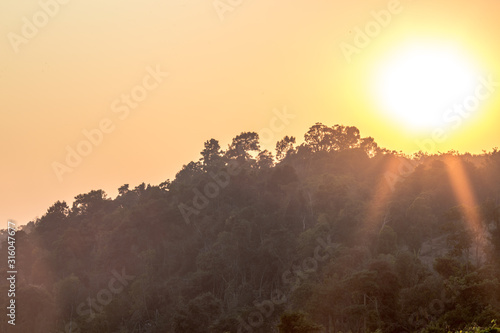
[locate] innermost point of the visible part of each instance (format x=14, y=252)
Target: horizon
x=391, y=181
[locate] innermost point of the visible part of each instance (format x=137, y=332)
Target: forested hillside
x=335, y=234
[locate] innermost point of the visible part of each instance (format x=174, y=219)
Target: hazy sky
x=230, y=69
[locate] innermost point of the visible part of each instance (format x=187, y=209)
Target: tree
x=54, y=218
x=123, y=189
x=92, y=201
x=243, y=144
x=265, y=160
x=140, y=189
x=188, y=173
x=297, y=322
x=369, y=146
x=447, y=266
x=284, y=147
x=164, y=186
x=336, y=138
x=69, y=292
x=302, y=235
x=345, y=137
x=387, y=241
x=60, y=209
x=199, y=314
x=38, y=313
x=211, y=155
x=319, y=138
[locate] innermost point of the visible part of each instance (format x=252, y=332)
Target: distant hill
x=333, y=235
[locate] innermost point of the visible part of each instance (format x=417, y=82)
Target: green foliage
x=493, y=328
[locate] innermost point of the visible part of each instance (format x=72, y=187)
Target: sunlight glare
x=417, y=84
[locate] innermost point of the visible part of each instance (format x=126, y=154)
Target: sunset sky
x=231, y=68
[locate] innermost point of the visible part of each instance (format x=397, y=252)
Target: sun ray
x=465, y=197
x=395, y=169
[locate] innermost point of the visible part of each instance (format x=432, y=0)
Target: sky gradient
x=230, y=69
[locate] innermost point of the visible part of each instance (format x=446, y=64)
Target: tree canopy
x=331, y=234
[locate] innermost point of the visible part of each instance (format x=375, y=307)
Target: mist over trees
x=335, y=234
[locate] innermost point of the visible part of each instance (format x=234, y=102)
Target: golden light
x=419, y=82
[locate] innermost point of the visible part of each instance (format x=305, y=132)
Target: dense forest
x=334, y=234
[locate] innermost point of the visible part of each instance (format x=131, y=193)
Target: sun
x=417, y=83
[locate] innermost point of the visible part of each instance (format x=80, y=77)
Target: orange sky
x=225, y=76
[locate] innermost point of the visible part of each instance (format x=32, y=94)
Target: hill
x=335, y=235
